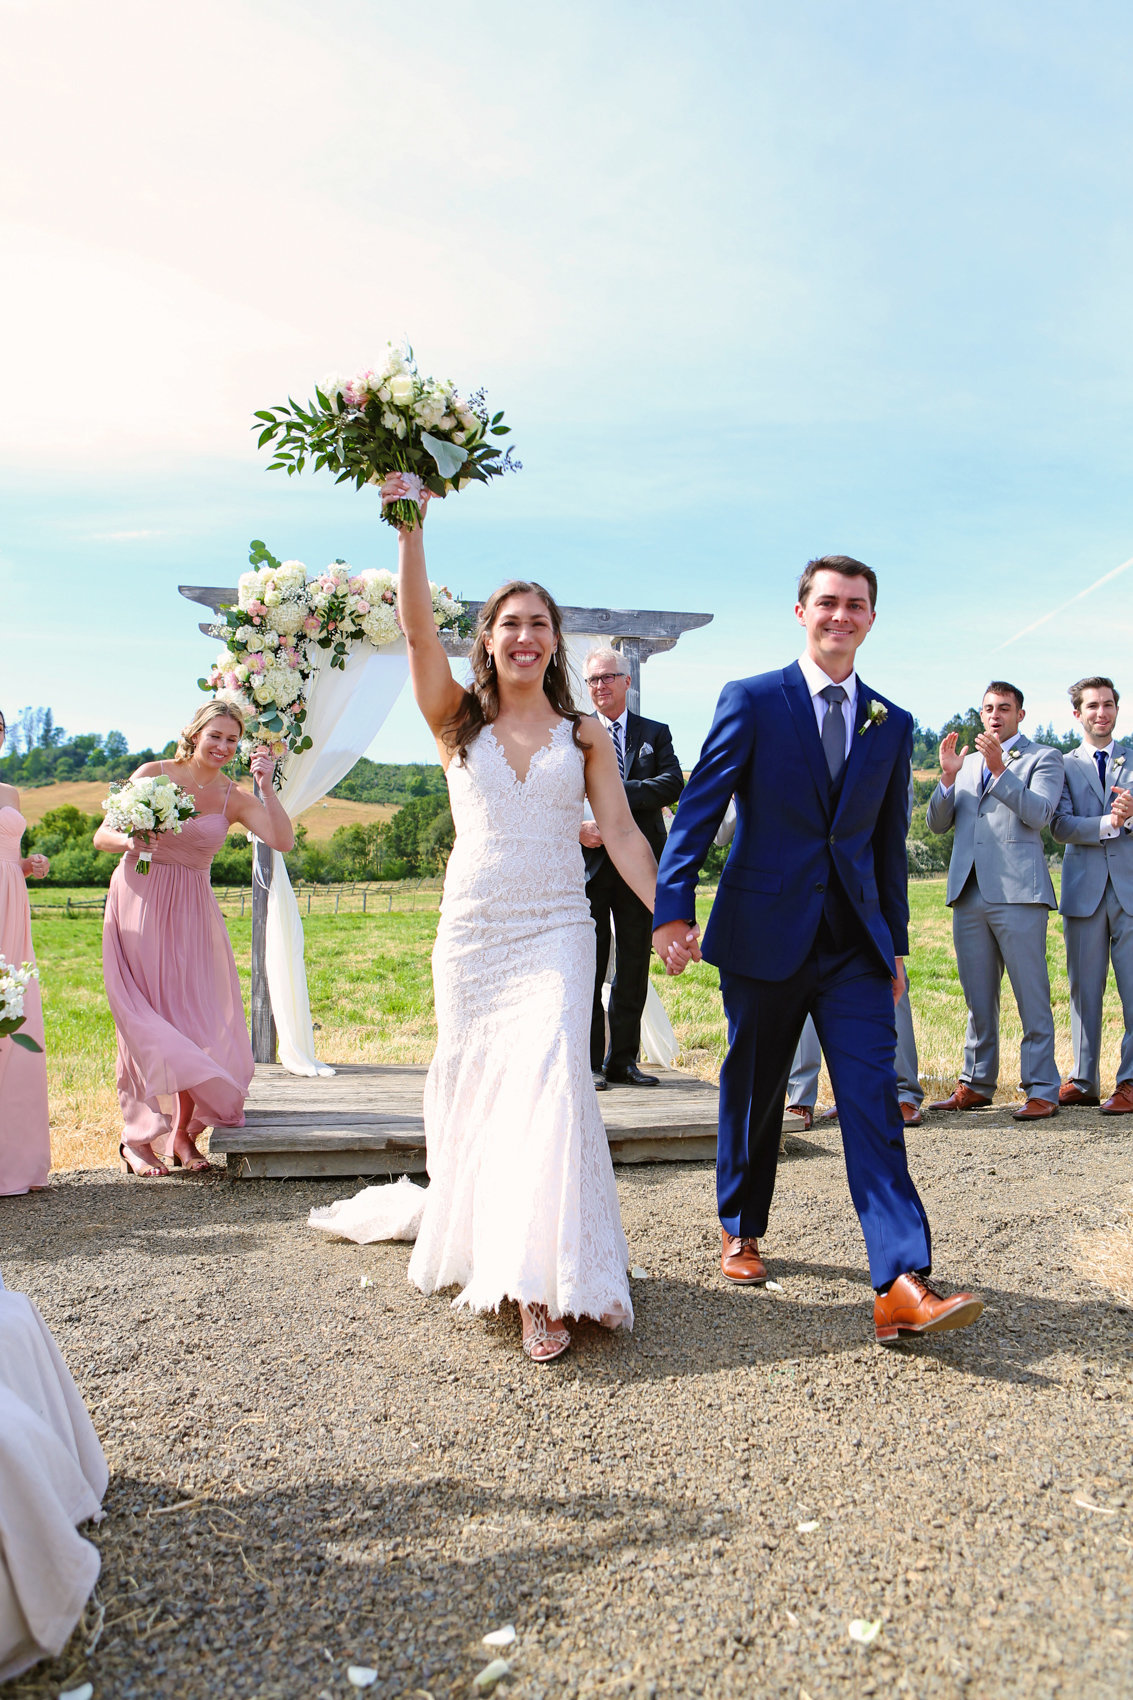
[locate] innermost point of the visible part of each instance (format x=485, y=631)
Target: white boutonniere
x=1012, y=754
x=1116, y=765
x=877, y=715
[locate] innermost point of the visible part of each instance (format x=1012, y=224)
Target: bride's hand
x=395, y=488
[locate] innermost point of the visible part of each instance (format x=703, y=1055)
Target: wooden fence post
x=263, y=1021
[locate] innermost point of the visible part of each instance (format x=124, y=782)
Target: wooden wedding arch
x=636, y=633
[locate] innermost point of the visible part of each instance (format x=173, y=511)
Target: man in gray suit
x=802, y=1087
x=1093, y=821
x=999, y=889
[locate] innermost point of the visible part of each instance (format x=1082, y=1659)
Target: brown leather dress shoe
x=806, y=1111
x=740, y=1259
x=911, y=1114
x=912, y=1307
x=1036, y=1110
x=1068, y=1093
x=962, y=1099
x=1121, y=1103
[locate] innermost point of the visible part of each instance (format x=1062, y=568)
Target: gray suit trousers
x=1090, y=942
x=989, y=937
x=803, y=1085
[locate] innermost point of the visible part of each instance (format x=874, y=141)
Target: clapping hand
x=1121, y=809
x=951, y=759
x=991, y=750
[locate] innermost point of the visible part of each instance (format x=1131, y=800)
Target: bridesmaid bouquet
x=389, y=419
x=13, y=984
x=146, y=806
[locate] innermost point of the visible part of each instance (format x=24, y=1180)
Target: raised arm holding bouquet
x=521, y=1203
x=184, y=1056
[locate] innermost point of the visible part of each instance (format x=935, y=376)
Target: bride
x=521, y=1202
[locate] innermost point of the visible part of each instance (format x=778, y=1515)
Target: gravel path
x=367, y=1479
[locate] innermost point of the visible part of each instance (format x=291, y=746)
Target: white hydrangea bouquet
x=14, y=983
x=282, y=618
x=147, y=806
x=389, y=419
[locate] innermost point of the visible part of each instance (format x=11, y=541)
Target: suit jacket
x=793, y=829
x=653, y=778
x=1000, y=833
x=1091, y=860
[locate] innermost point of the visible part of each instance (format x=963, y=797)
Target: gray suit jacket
x=1090, y=860
x=1000, y=833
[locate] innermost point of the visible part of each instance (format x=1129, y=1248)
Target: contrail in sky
x=1089, y=590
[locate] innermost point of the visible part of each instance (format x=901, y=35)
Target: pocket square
x=645, y=750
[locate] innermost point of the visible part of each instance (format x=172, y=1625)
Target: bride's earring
x=491, y=663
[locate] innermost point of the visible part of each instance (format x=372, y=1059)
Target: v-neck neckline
x=542, y=749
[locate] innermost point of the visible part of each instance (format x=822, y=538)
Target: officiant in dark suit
x=652, y=778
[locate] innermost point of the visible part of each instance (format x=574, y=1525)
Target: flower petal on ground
x=487, y=1679
x=83, y=1692
x=807, y=1528
x=863, y=1630
x=501, y=1637
x=361, y=1676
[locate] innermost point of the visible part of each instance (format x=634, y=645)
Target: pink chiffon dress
x=25, y=1143
x=173, y=990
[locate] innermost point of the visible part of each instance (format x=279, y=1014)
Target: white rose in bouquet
x=401, y=389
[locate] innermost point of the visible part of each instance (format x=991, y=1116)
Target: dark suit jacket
x=791, y=834
x=653, y=778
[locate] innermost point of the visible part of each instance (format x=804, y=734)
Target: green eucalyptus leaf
x=450, y=457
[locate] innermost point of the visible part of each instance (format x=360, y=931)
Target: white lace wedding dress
x=521, y=1202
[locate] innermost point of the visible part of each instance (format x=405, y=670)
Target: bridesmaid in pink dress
x=184, y=1057
x=25, y=1142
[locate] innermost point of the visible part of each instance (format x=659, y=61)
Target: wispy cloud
x=1106, y=578
x=122, y=536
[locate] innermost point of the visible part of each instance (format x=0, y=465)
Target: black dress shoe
x=599, y=1080
x=631, y=1076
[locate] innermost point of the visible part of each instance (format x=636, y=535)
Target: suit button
x=820, y=887
x=831, y=839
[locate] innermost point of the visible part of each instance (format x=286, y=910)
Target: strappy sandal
x=543, y=1344
x=201, y=1167
x=151, y=1171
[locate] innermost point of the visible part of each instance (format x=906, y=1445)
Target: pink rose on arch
x=311, y=623
x=363, y=605
x=256, y=663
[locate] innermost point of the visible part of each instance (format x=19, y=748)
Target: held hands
x=951, y=759
x=900, y=978
x=676, y=945
x=991, y=749
x=1121, y=809
x=589, y=835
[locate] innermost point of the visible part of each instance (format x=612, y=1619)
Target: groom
x=811, y=917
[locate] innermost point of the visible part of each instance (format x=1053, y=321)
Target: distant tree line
x=415, y=842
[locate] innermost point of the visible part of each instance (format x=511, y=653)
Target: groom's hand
x=676, y=945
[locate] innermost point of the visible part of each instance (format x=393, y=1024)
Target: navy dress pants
x=851, y=1000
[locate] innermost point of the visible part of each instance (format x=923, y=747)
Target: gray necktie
x=834, y=729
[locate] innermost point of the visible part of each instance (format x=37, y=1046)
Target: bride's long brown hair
x=480, y=704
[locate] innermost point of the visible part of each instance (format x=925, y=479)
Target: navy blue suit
x=811, y=911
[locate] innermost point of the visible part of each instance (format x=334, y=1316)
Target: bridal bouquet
x=14, y=983
x=146, y=806
x=389, y=419
x=282, y=619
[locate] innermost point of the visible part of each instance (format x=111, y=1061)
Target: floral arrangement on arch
x=387, y=419
x=282, y=618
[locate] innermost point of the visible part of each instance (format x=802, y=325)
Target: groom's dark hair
x=844, y=564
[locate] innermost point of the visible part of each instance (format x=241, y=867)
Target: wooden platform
x=367, y=1121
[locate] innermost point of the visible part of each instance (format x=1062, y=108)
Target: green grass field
x=371, y=993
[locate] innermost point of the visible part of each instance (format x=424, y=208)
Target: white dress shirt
x=817, y=681
x=1106, y=828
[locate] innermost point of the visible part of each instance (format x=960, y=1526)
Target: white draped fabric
x=345, y=709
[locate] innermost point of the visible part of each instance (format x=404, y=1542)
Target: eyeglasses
x=604, y=678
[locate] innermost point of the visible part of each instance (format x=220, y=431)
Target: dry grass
x=87, y=796
x=1107, y=1255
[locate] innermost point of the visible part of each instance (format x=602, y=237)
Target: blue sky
x=753, y=282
